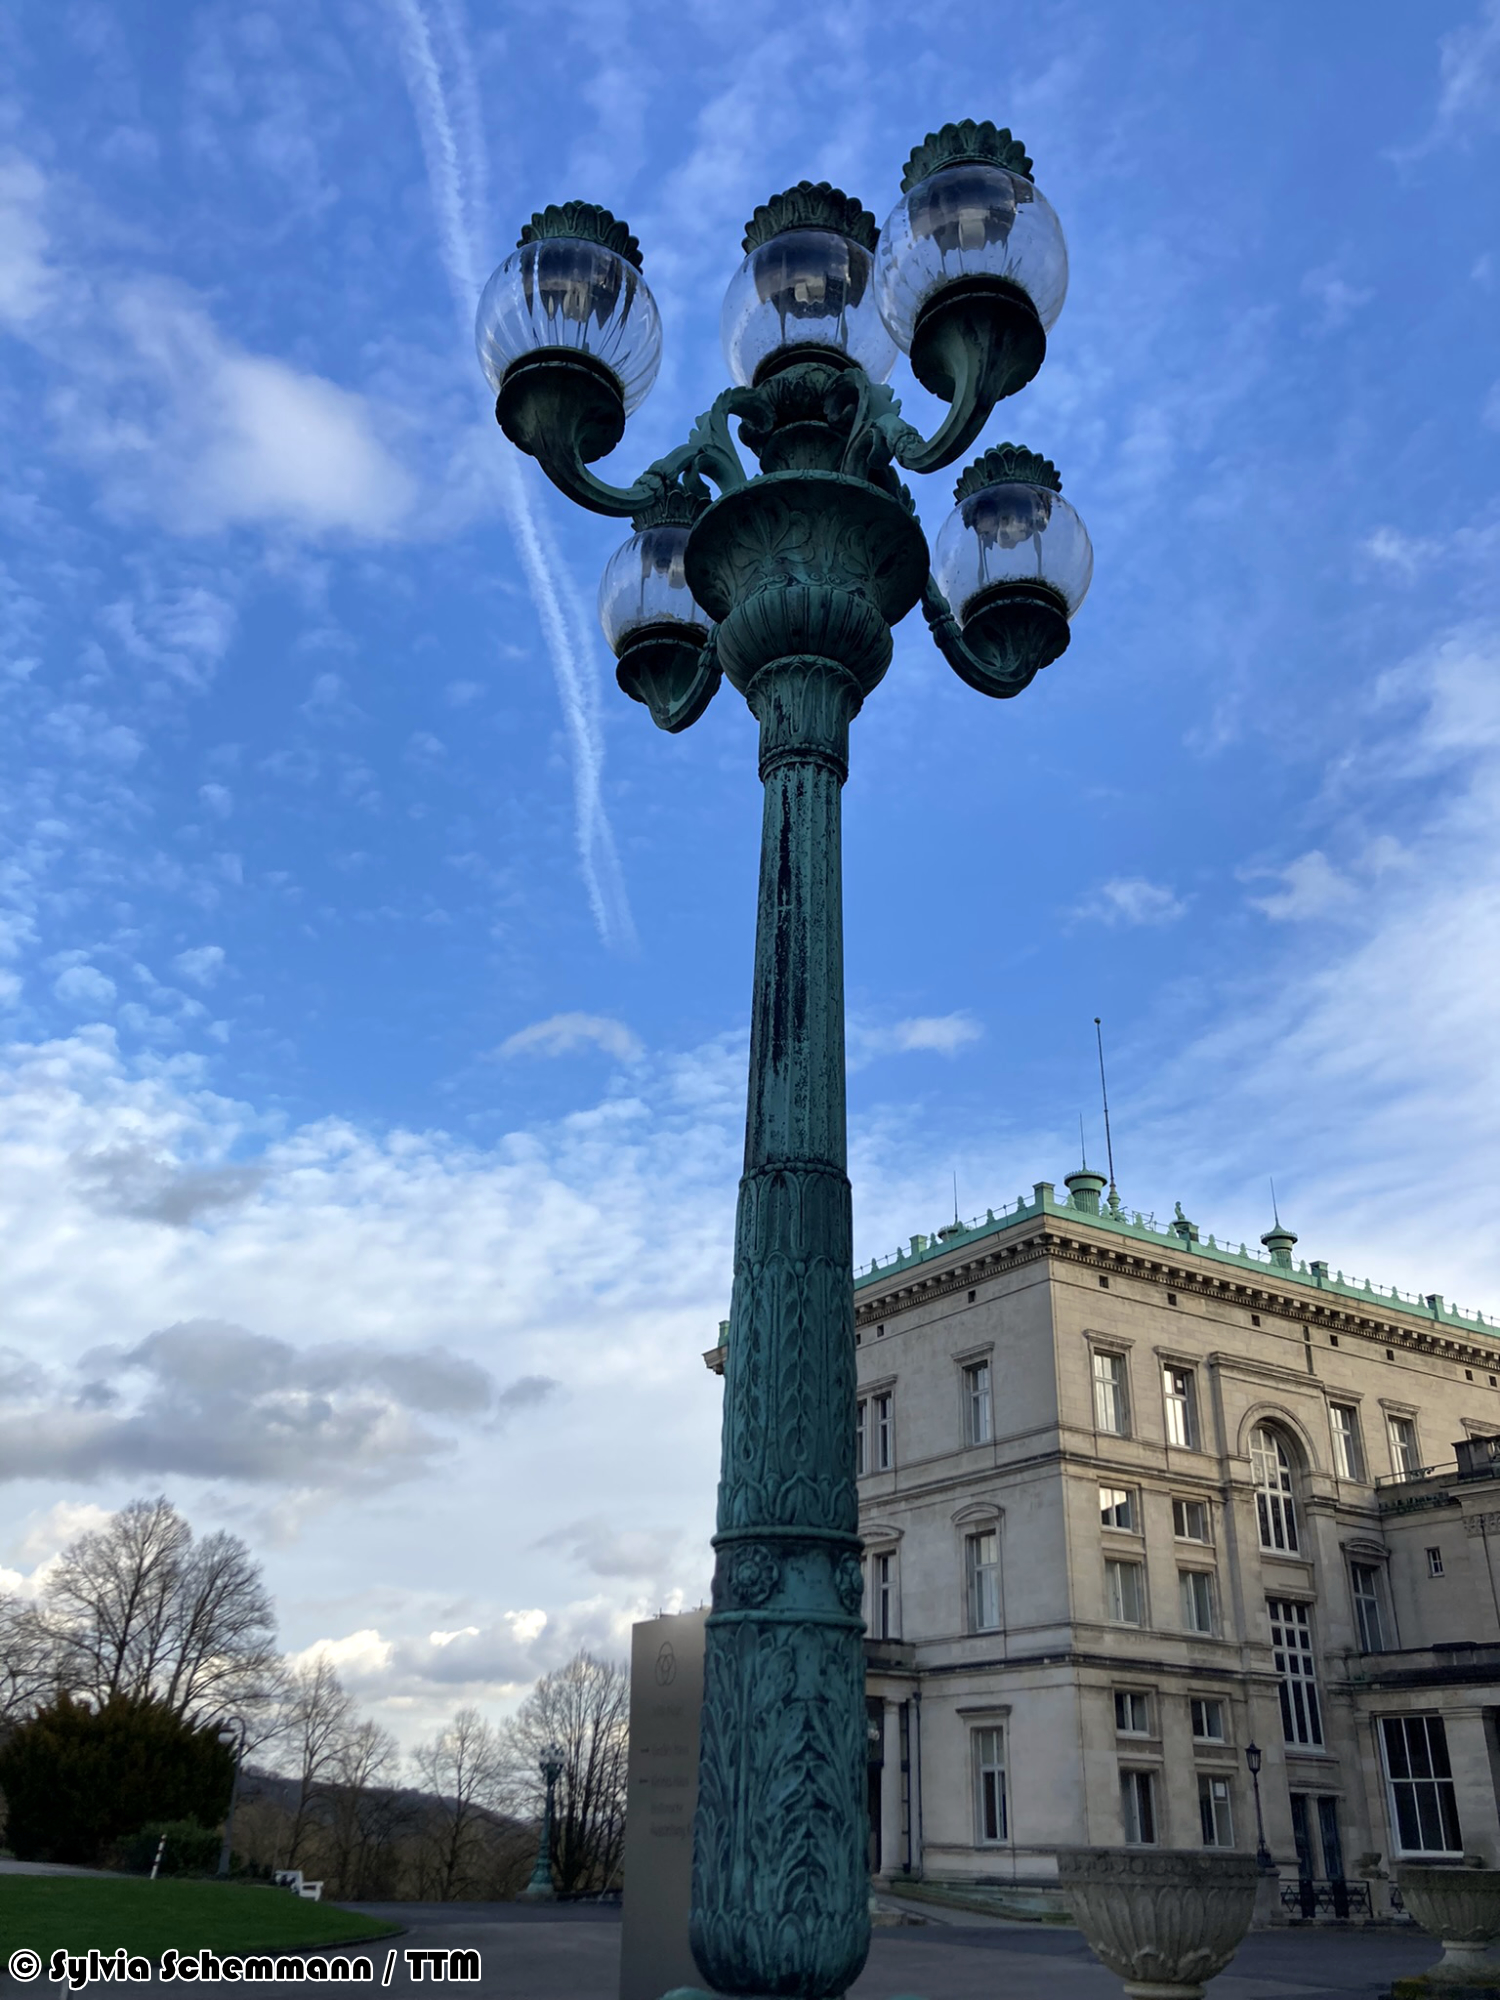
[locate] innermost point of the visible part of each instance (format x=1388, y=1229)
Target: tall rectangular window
x=1214, y=1811
x=978, y=1426
x=1181, y=1396
x=1368, y=1615
x=982, y=1568
x=1292, y=1651
x=1111, y=1403
x=1138, y=1807
x=1125, y=1593
x=883, y=1455
x=1132, y=1712
x=1190, y=1521
x=861, y=1437
x=989, y=1785
x=1419, y=1779
x=1275, y=1509
x=1208, y=1719
x=1117, y=1508
x=1348, y=1459
x=1196, y=1587
x=882, y=1613
x=1406, y=1457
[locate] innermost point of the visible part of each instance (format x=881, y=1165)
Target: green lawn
x=81, y=1911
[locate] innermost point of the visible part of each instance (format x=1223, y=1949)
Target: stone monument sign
x=666, y=1693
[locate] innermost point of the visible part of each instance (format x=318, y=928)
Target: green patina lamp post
x=541, y=1889
x=788, y=581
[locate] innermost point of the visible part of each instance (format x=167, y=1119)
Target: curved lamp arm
x=1012, y=640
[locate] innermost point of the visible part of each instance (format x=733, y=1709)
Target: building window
x=1406, y=1458
x=1208, y=1719
x=1117, y=1508
x=861, y=1437
x=1368, y=1615
x=977, y=1412
x=1132, y=1713
x=1125, y=1593
x=1214, y=1811
x=883, y=1618
x=1348, y=1459
x=982, y=1568
x=1138, y=1807
x=1111, y=1404
x=1190, y=1521
x=1292, y=1650
x=1424, y=1812
x=1434, y=1562
x=1180, y=1391
x=989, y=1785
x=1196, y=1588
x=1271, y=1470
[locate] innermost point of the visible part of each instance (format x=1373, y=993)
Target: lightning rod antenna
x=1109, y=1144
x=1274, y=1210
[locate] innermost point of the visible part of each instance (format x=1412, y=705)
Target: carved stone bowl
x=1164, y=1920
x=1461, y=1908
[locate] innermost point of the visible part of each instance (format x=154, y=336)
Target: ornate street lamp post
x=1263, y=1859
x=788, y=581
x=541, y=1889
x=233, y=1732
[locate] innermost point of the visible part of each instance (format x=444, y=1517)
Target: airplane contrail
x=457, y=176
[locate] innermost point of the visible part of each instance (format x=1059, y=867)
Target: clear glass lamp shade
x=805, y=286
x=968, y=221
x=565, y=293
x=1013, y=534
x=644, y=584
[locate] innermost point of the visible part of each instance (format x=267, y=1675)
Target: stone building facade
x=1133, y=1502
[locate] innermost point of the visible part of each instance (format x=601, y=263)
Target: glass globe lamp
x=972, y=220
x=645, y=586
x=806, y=289
x=1014, y=534
x=583, y=297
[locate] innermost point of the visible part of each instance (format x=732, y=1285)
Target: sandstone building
x=1133, y=1502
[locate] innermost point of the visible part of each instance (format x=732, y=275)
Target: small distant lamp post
x=232, y=1732
x=540, y=1888
x=1263, y=1859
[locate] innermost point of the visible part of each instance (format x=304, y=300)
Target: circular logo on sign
x=666, y=1665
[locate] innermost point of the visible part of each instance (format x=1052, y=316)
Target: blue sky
x=375, y=977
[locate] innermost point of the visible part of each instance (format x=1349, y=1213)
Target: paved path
x=573, y=1953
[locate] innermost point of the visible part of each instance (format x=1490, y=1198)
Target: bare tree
x=366, y=1809
x=28, y=1660
x=459, y=1768
x=314, y=1728
x=136, y=1608
x=584, y=1708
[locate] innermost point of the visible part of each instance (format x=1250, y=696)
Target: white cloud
x=1131, y=899
x=1312, y=887
x=84, y=987
x=1404, y=555
x=26, y=279
x=217, y=799
x=202, y=964
x=937, y=1034
x=1338, y=299
x=561, y=1034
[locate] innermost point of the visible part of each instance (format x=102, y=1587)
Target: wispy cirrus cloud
x=563, y=1034
x=1132, y=899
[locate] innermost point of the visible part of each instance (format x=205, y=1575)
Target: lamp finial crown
x=585, y=222
x=812, y=205
x=969, y=141
x=1004, y=463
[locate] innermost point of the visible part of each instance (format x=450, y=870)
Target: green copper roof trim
x=581, y=222
x=812, y=205
x=1135, y=1228
x=967, y=141
x=1005, y=465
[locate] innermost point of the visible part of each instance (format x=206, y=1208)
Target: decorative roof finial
x=1277, y=1240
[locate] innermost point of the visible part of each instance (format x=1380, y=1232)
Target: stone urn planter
x=1461, y=1908
x=1164, y=1920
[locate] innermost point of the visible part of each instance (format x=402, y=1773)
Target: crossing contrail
x=452, y=138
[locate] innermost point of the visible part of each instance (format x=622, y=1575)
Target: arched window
x=1271, y=1470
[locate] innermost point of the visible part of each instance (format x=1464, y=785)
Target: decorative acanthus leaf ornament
x=811, y=205
x=1004, y=464
x=958, y=144
x=582, y=222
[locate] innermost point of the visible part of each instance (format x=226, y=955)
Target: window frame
x=1205, y=1702
x=884, y=1619
x=1296, y=1670
x=1215, y=1809
x=1133, y=1695
x=1128, y=1498
x=1184, y=1401
x=997, y=1795
x=979, y=1401
x=1448, y=1819
x=1197, y=1589
x=1347, y=1444
x=1435, y=1562
x=1275, y=1493
x=861, y=1437
x=1397, y=1447
x=1182, y=1501
x=883, y=1431
x=1370, y=1604
x=975, y=1575
x=1138, y=1786
x=1116, y=1386
x=1137, y=1569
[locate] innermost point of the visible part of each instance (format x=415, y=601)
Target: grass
x=83, y=1911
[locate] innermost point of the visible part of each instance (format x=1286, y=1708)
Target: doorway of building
x=1316, y=1832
